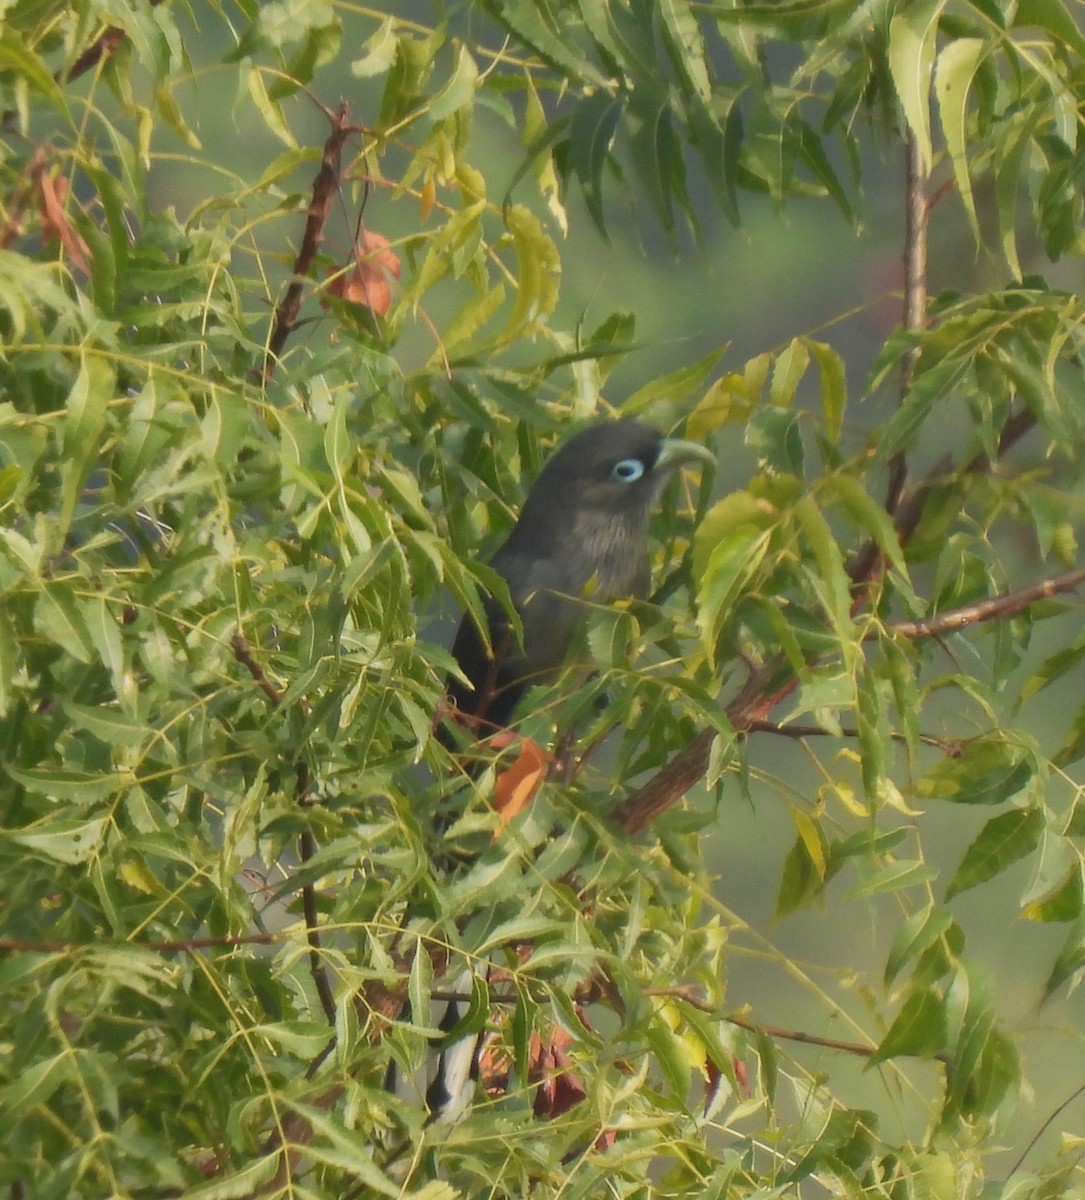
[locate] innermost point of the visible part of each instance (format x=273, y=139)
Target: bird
x=580, y=540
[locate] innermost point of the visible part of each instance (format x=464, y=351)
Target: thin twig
x=1043, y=1129
x=1006, y=605
x=771, y=1031
x=325, y=188
x=798, y=1035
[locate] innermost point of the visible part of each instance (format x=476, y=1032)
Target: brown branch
x=325, y=187
x=754, y=702
x=797, y=1035
x=103, y=46
x=691, y=998
x=243, y=654
x=1006, y=605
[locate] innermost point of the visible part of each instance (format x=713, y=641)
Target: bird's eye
x=629, y=470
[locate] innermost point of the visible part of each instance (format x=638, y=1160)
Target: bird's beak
x=674, y=453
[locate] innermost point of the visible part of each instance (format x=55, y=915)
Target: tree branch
x=771, y=1031
x=325, y=187
x=1006, y=605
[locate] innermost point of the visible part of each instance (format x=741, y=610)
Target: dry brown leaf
x=515, y=787
x=368, y=282
x=548, y=1065
x=52, y=192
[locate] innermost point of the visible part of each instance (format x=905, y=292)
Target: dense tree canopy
x=283, y=345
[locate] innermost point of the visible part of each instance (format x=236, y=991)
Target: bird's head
x=614, y=467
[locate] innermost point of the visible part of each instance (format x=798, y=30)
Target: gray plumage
x=581, y=539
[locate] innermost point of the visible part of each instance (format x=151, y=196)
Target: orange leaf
x=52, y=192
x=515, y=787
x=548, y=1065
x=368, y=282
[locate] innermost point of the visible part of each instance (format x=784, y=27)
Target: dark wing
x=540, y=588
x=491, y=692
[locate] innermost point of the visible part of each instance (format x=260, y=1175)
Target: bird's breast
x=611, y=557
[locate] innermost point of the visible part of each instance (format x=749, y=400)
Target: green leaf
x=61, y=784
x=85, y=418
x=985, y=771
x=534, y=23
x=459, y=91
x=735, y=559
x=835, y=589
x=687, y=47
x=912, y=35
x=834, y=390
x=591, y=134
x=61, y=619
x=957, y=65
x=9, y=661
x=919, y=1030
x=107, y=724
x=379, y=51
x=67, y=840
x=1003, y=841
x=538, y=270
x=921, y=931
x=1053, y=17
x=1064, y=902
x=672, y=1055
x=1070, y=960
x=660, y=396
x=787, y=373
x=268, y=108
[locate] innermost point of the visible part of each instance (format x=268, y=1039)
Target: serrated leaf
x=835, y=585
x=66, y=840
x=834, y=388
x=687, y=47
x=870, y=516
x=787, y=373
x=528, y=20
x=9, y=661
x=1053, y=17
x=62, y=784
x=107, y=724
x=672, y=388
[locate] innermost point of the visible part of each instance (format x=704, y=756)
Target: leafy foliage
x=249, y=448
